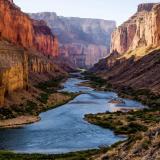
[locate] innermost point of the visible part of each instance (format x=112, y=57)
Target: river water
x=63, y=129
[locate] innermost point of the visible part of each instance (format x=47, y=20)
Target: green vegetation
x=39, y=103
x=118, y=122
x=50, y=86
x=144, y=96
x=70, y=96
x=13, y=111
x=133, y=123
x=98, y=82
x=82, y=155
x=146, y=144
x=6, y=113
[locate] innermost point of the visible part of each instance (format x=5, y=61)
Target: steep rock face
x=18, y=28
x=77, y=34
x=134, y=58
x=45, y=41
x=83, y=55
x=43, y=68
x=13, y=69
x=141, y=30
x=27, y=50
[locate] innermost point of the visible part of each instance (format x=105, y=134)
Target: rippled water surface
x=63, y=129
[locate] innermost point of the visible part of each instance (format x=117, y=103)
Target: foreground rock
x=144, y=135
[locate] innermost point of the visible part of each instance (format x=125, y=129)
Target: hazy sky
x=118, y=10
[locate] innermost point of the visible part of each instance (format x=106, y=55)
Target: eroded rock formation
x=141, y=30
x=27, y=51
x=13, y=69
x=92, y=36
x=83, y=55
x=18, y=28
x=134, y=59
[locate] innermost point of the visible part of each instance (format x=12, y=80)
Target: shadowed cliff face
x=84, y=40
x=18, y=28
x=134, y=59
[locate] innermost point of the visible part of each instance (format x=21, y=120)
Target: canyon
x=84, y=41
x=27, y=52
x=134, y=58
x=38, y=50
x=132, y=69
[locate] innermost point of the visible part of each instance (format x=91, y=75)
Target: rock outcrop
x=13, y=69
x=18, y=28
x=45, y=41
x=83, y=40
x=141, y=30
x=83, y=55
x=134, y=58
x=27, y=51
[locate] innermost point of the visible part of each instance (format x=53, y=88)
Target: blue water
x=63, y=129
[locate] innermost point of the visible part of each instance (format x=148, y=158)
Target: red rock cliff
x=18, y=28
x=135, y=52
x=141, y=30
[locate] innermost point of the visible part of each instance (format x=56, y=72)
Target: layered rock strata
x=141, y=30
x=13, y=69
x=134, y=59
x=18, y=28
x=84, y=41
x=27, y=50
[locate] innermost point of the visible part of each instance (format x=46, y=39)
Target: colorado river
x=63, y=129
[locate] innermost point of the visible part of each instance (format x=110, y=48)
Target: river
x=63, y=129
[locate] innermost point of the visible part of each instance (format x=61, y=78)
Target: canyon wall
x=134, y=59
x=13, y=69
x=84, y=41
x=18, y=28
x=141, y=30
x=27, y=51
x=83, y=55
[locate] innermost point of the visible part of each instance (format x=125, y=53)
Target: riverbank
x=81, y=155
x=41, y=98
x=137, y=125
x=146, y=97
x=142, y=127
x=72, y=115
x=18, y=121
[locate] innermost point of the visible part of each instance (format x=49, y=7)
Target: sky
x=118, y=10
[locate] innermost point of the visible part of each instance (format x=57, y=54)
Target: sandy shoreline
x=19, y=121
